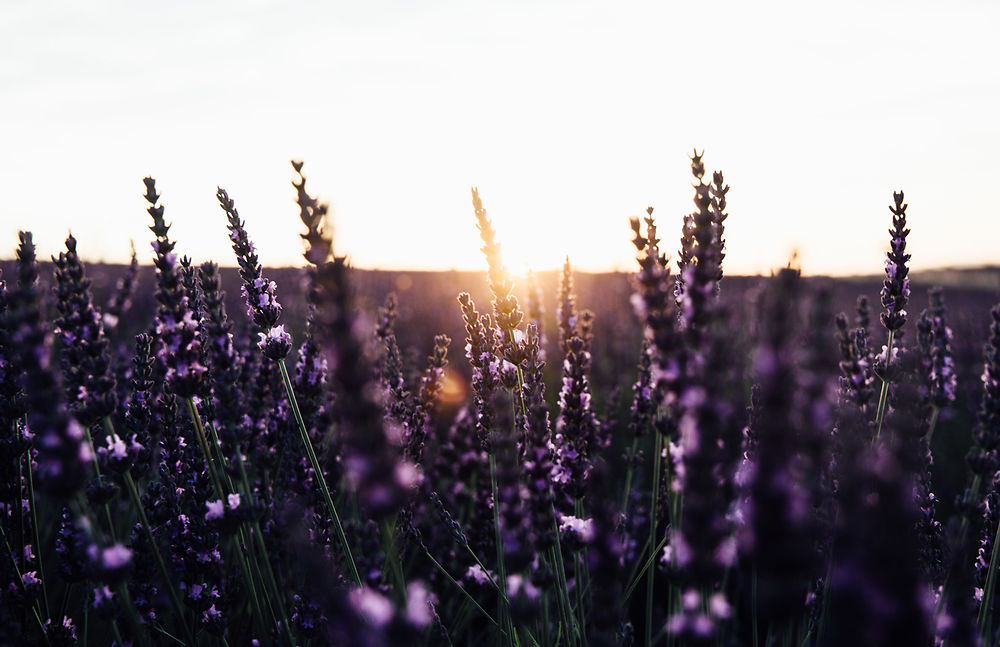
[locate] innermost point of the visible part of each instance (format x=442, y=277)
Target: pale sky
x=569, y=117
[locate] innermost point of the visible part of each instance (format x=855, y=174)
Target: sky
x=569, y=117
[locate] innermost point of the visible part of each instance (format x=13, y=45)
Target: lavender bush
x=180, y=468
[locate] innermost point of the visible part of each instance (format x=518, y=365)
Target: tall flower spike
x=566, y=314
x=934, y=337
x=176, y=326
x=223, y=360
x=537, y=460
x=984, y=457
x=781, y=529
x=370, y=462
x=86, y=363
x=896, y=287
x=505, y=307
x=313, y=214
x=718, y=190
x=63, y=456
x=262, y=304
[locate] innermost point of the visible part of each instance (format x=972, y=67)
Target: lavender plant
x=747, y=485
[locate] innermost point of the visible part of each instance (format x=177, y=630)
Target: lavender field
x=332, y=456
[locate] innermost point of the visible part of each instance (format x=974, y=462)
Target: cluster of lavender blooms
x=761, y=482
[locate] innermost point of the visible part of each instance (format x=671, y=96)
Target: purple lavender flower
x=60, y=634
x=855, y=383
x=780, y=524
x=64, y=456
x=538, y=469
x=224, y=364
x=137, y=411
x=371, y=464
x=85, y=362
x=262, y=304
x=934, y=338
x=177, y=327
x=896, y=287
x=984, y=457
x=576, y=429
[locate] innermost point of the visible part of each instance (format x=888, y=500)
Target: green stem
x=985, y=617
x=657, y=459
x=883, y=397
x=314, y=461
x=392, y=556
x=203, y=444
x=628, y=474
x=275, y=591
x=498, y=538
x=462, y=589
x=935, y=412
x=637, y=577
x=160, y=565
x=17, y=571
x=34, y=527
x=571, y=626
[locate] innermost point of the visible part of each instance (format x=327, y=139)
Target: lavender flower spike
x=262, y=304
x=896, y=287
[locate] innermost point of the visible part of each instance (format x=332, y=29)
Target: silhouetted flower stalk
x=895, y=294
x=508, y=315
x=718, y=191
x=381, y=480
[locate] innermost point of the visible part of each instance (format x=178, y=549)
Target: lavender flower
x=934, y=337
x=485, y=366
x=896, y=287
x=537, y=462
x=984, y=457
x=85, y=362
x=780, y=530
x=319, y=246
x=855, y=383
x=262, y=304
x=371, y=464
x=63, y=456
x=576, y=429
x=505, y=307
x=176, y=325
